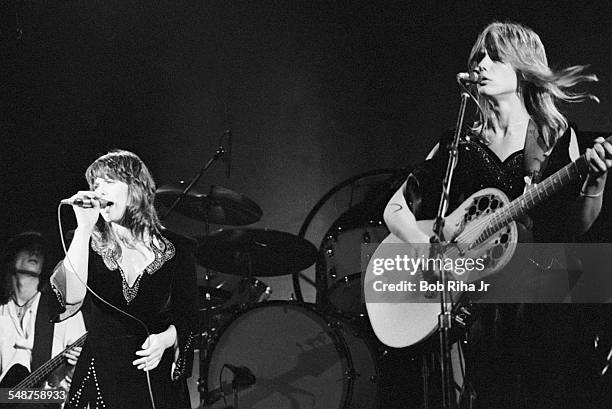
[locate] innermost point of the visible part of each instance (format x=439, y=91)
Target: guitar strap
x=534, y=155
x=43, y=333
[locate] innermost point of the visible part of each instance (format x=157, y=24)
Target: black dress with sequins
x=518, y=355
x=478, y=168
x=165, y=294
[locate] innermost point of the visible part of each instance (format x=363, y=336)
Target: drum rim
x=400, y=173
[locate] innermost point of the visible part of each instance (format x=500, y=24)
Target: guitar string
x=54, y=361
x=35, y=375
x=530, y=196
x=38, y=373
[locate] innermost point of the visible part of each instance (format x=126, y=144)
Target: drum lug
x=353, y=375
x=350, y=375
x=334, y=324
x=331, y=236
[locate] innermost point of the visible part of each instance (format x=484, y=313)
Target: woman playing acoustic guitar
x=515, y=355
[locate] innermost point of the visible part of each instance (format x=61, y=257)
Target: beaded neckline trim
x=163, y=253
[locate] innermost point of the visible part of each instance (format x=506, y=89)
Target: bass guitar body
x=14, y=375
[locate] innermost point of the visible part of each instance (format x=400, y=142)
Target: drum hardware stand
x=245, y=258
x=445, y=317
x=203, y=375
x=219, y=154
x=207, y=335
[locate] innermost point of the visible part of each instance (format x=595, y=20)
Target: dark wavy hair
x=140, y=215
x=30, y=240
x=539, y=86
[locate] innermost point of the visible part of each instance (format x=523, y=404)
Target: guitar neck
x=537, y=194
x=41, y=373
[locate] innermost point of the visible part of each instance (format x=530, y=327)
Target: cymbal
x=219, y=206
x=211, y=297
x=257, y=252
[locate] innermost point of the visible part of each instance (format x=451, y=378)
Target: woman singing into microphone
x=129, y=260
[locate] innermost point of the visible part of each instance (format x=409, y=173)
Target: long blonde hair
x=140, y=215
x=538, y=85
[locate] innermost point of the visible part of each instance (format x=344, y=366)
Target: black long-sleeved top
x=165, y=294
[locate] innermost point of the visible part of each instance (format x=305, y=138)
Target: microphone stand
x=438, y=241
x=219, y=153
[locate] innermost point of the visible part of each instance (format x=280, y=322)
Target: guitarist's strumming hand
x=588, y=206
x=63, y=379
x=599, y=158
x=72, y=355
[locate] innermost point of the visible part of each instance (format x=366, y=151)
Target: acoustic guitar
x=483, y=226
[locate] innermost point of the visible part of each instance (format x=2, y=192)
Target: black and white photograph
x=305, y=204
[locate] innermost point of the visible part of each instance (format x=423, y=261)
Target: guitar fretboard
x=42, y=372
x=534, y=196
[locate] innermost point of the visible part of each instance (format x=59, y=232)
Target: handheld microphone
x=86, y=203
x=469, y=77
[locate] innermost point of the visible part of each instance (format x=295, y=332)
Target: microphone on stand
x=86, y=203
x=469, y=77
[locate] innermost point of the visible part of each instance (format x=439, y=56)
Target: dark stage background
x=314, y=92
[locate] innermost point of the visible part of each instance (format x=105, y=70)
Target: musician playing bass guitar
x=28, y=340
x=520, y=355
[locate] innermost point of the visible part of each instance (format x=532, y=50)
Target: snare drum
x=299, y=359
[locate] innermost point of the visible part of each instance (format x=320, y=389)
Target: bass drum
x=299, y=359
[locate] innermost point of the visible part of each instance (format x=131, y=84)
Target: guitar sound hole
x=483, y=203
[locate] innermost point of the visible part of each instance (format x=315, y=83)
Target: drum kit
x=257, y=353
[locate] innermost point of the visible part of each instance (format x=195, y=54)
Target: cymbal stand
x=208, y=334
x=203, y=375
x=219, y=153
x=249, y=277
